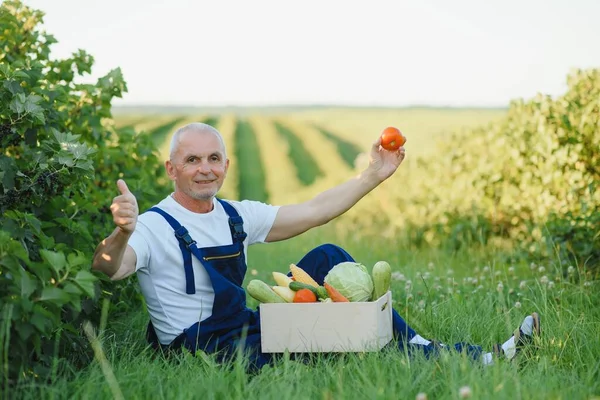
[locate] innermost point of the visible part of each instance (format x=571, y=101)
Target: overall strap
x=236, y=223
x=186, y=243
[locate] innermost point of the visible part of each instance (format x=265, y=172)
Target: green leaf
x=28, y=285
x=77, y=258
x=24, y=330
x=66, y=159
x=8, y=166
x=56, y=260
x=21, y=74
x=86, y=281
x=5, y=70
x=39, y=321
x=55, y=295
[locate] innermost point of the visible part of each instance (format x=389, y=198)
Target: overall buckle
x=183, y=235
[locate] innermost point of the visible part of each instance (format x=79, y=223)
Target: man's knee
x=319, y=261
x=333, y=251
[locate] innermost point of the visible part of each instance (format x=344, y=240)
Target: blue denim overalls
x=226, y=266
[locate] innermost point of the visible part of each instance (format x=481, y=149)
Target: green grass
x=252, y=181
x=441, y=301
x=307, y=169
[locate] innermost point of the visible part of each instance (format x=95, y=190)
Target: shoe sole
x=537, y=329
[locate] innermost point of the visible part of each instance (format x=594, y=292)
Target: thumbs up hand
x=124, y=208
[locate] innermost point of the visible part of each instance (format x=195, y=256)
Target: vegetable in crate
x=352, y=280
x=319, y=291
x=285, y=293
x=382, y=276
x=282, y=279
x=263, y=292
x=301, y=276
x=334, y=295
x=305, y=296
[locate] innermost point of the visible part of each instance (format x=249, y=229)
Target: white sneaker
x=523, y=336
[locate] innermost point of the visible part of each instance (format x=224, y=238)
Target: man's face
x=199, y=166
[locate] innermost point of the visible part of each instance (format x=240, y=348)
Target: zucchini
x=263, y=292
x=319, y=291
x=382, y=276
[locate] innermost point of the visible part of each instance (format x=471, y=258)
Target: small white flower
x=550, y=285
x=522, y=285
x=500, y=287
x=398, y=276
x=544, y=280
x=254, y=272
x=511, y=270
x=430, y=265
x=532, y=266
x=541, y=270
x=571, y=270
x=421, y=396
x=465, y=392
x=486, y=269
x=518, y=304
x=587, y=283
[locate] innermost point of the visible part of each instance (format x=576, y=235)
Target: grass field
x=474, y=295
x=470, y=296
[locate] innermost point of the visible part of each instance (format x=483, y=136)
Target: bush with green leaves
x=60, y=157
x=529, y=179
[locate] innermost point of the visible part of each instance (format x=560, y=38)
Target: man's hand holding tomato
x=386, y=156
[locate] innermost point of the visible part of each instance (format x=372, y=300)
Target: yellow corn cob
x=301, y=276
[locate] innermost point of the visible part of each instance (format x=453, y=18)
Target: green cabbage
x=352, y=280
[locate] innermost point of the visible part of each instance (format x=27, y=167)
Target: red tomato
x=392, y=139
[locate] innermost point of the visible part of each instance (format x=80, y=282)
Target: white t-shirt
x=160, y=265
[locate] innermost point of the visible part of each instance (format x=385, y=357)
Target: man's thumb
x=122, y=186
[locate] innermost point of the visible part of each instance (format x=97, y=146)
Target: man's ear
x=170, y=169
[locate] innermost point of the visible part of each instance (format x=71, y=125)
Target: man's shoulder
x=250, y=207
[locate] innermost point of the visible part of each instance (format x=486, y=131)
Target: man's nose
x=204, y=167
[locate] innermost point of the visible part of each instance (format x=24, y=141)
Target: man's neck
x=193, y=205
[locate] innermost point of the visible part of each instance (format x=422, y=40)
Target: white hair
x=196, y=127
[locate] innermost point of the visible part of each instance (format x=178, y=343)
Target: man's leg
x=319, y=261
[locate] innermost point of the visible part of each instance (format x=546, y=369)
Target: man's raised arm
x=295, y=219
x=113, y=256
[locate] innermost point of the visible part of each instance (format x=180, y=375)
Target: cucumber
x=263, y=292
x=382, y=276
x=319, y=291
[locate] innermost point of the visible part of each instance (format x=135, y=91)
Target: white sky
x=371, y=52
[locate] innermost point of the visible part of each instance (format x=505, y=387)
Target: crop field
x=289, y=156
